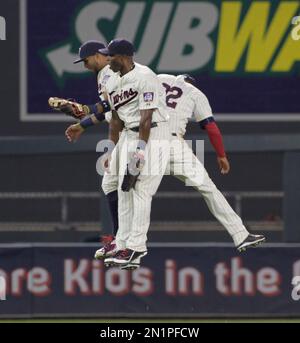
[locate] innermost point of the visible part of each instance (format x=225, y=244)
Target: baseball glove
x=133, y=171
x=69, y=107
x=129, y=181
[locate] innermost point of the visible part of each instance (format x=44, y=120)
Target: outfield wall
x=190, y=280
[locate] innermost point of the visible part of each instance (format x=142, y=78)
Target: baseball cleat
x=128, y=257
x=109, y=248
x=134, y=264
x=109, y=261
x=252, y=241
x=109, y=264
x=130, y=266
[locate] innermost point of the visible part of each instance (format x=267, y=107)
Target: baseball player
x=138, y=125
x=184, y=101
x=98, y=63
x=181, y=100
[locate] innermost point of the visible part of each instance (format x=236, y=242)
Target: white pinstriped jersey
x=137, y=90
x=183, y=101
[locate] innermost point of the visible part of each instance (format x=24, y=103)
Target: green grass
x=126, y=320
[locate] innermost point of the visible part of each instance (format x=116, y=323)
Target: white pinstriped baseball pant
x=135, y=206
x=185, y=166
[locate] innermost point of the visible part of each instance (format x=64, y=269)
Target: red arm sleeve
x=215, y=138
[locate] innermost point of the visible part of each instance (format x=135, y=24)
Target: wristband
x=141, y=146
x=94, y=108
x=86, y=122
x=105, y=105
x=99, y=116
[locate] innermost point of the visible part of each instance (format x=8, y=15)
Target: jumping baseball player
x=138, y=125
x=184, y=101
x=98, y=63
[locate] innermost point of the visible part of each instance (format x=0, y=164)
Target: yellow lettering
x=253, y=34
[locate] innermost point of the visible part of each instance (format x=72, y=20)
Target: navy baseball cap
x=89, y=48
x=119, y=46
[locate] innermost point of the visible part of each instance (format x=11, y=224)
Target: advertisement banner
x=244, y=55
x=174, y=280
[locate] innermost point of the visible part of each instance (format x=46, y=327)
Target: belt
x=177, y=135
x=137, y=128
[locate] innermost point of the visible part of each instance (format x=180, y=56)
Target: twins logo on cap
x=148, y=96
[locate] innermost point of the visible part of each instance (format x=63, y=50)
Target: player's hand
x=137, y=162
x=223, y=165
x=105, y=161
x=73, y=132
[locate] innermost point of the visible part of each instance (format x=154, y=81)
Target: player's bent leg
x=221, y=209
x=223, y=212
x=194, y=174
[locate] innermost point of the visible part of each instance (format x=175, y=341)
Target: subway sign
x=241, y=49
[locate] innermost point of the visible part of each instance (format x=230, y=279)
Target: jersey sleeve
x=202, y=109
x=99, y=84
x=148, y=92
x=106, y=87
x=102, y=90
